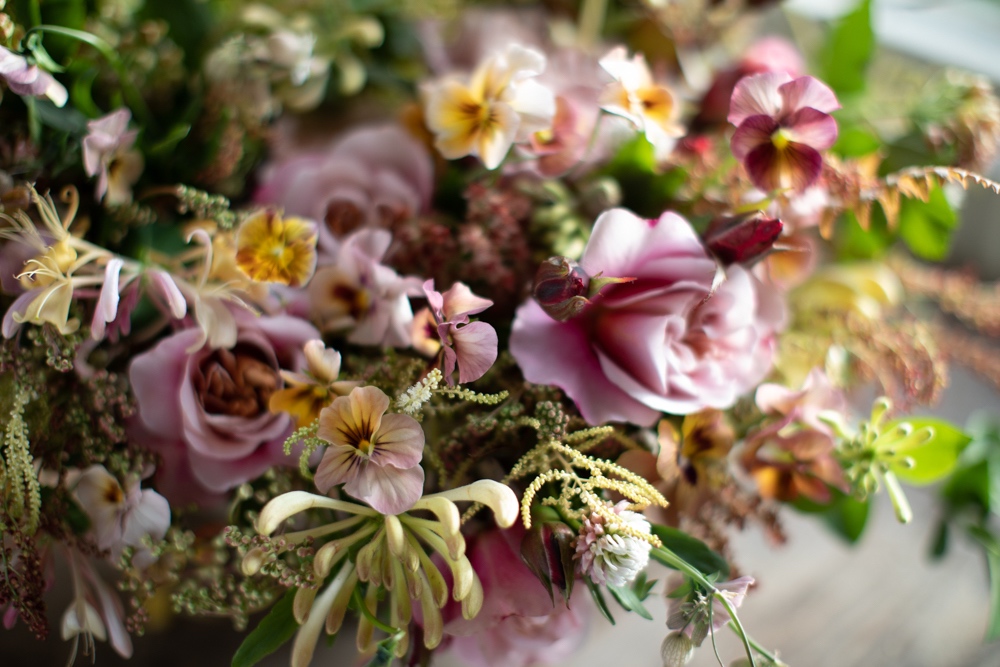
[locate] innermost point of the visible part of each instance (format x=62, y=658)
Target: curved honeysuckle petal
x=498, y=497
x=289, y=504
x=445, y=511
x=308, y=634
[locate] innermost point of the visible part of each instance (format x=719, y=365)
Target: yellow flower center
x=781, y=139
x=366, y=446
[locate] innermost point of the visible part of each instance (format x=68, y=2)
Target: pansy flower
x=782, y=124
x=374, y=455
x=471, y=346
x=274, y=249
x=306, y=394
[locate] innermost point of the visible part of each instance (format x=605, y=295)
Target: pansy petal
x=796, y=167
x=400, y=442
x=757, y=95
x=388, y=490
x=459, y=301
x=753, y=132
x=812, y=128
x=475, y=345
x=340, y=464
x=807, y=91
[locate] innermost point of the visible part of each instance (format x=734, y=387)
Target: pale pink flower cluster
x=609, y=557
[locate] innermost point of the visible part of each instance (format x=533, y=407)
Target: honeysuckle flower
x=674, y=339
x=96, y=612
x=472, y=346
x=394, y=556
x=307, y=393
x=359, y=294
x=782, y=124
x=27, y=79
x=274, y=249
x=634, y=95
x=108, y=154
x=501, y=104
x=376, y=456
x=697, y=614
x=609, y=557
x=121, y=517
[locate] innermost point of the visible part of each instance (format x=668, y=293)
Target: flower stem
x=356, y=596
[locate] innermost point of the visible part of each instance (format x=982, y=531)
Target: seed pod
x=561, y=288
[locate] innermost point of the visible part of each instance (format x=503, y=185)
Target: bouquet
x=431, y=325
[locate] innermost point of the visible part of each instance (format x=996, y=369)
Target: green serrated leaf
x=848, y=50
x=934, y=459
x=270, y=634
x=629, y=601
x=602, y=604
x=692, y=550
x=927, y=227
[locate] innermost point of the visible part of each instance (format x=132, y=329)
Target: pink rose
x=665, y=342
x=207, y=412
x=372, y=176
x=518, y=625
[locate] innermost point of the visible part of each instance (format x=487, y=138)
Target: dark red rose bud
x=561, y=288
x=742, y=239
x=547, y=550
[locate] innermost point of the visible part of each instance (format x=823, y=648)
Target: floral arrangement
x=435, y=323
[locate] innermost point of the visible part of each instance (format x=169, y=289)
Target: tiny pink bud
x=561, y=288
x=742, y=239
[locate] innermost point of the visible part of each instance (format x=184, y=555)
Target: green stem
x=132, y=95
x=356, y=596
x=672, y=560
x=592, y=22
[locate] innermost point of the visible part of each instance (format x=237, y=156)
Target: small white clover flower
x=609, y=556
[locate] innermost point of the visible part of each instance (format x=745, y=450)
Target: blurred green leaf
x=845, y=515
x=602, y=604
x=856, y=142
x=854, y=243
x=934, y=459
x=692, y=550
x=630, y=601
x=67, y=119
x=846, y=53
x=648, y=191
x=926, y=227
x=991, y=545
x=270, y=634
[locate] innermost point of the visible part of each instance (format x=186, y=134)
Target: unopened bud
x=742, y=239
x=677, y=650
x=547, y=550
x=561, y=288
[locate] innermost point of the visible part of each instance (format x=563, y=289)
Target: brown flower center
x=236, y=382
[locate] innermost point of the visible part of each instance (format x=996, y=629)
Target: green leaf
x=926, y=227
x=853, y=242
x=934, y=459
x=66, y=119
x=630, y=601
x=844, y=514
x=992, y=546
x=273, y=630
x=856, y=142
x=939, y=547
x=847, y=52
x=692, y=550
x=602, y=604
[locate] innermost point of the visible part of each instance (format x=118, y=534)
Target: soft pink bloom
x=518, y=625
x=376, y=456
x=472, y=346
x=206, y=411
x=672, y=340
x=372, y=176
x=121, y=517
x=782, y=124
x=25, y=79
x=358, y=294
x=108, y=154
x=818, y=395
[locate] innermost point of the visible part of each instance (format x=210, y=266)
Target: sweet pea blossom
x=500, y=105
x=108, y=154
x=26, y=79
x=674, y=339
x=782, y=124
x=651, y=107
x=376, y=456
x=472, y=346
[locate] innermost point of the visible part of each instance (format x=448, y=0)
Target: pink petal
x=621, y=242
x=812, y=128
x=388, y=490
x=399, y=442
x=340, y=463
x=807, y=92
x=107, y=302
x=475, y=345
x=796, y=167
x=434, y=299
x=757, y=95
x=753, y=132
x=175, y=301
x=460, y=302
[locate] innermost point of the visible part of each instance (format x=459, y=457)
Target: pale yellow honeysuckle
x=395, y=557
x=498, y=106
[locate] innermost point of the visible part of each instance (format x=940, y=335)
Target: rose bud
x=561, y=288
x=547, y=550
x=742, y=239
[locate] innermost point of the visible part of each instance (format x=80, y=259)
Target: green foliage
x=692, y=550
x=602, y=604
x=854, y=243
x=854, y=141
x=270, y=634
x=848, y=50
x=932, y=460
x=926, y=227
x=648, y=190
x=631, y=597
x=845, y=515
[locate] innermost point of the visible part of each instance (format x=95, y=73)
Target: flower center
x=781, y=138
x=236, y=382
x=366, y=446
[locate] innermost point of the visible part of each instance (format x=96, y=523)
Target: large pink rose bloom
x=519, y=625
x=207, y=412
x=662, y=343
